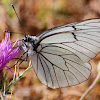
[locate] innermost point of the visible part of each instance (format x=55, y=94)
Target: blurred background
x=37, y=16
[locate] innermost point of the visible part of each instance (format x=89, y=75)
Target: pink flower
x=7, y=51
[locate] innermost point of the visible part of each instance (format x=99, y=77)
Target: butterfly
x=60, y=56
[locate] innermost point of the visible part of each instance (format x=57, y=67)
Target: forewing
x=83, y=40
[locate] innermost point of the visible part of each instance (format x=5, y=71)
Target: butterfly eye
x=25, y=39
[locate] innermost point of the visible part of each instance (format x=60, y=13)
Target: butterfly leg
x=21, y=59
x=25, y=59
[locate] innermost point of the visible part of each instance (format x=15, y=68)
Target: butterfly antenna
x=18, y=18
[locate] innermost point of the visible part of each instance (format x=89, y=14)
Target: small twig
x=90, y=88
x=17, y=79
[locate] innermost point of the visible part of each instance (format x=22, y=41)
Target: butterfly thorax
x=30, y=44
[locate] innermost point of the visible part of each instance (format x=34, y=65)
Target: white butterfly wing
x=59, y=67
x=63, y=55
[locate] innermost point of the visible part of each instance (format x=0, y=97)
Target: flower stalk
x=16, y=79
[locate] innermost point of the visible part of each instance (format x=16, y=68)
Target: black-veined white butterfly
x=60, y=56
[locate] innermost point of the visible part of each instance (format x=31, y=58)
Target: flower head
x=7, y=51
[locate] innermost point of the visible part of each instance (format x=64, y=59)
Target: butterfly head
x=29, y=43
x=28, y=38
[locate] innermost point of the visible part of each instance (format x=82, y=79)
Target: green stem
x=91, y=87
x=17, y=79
